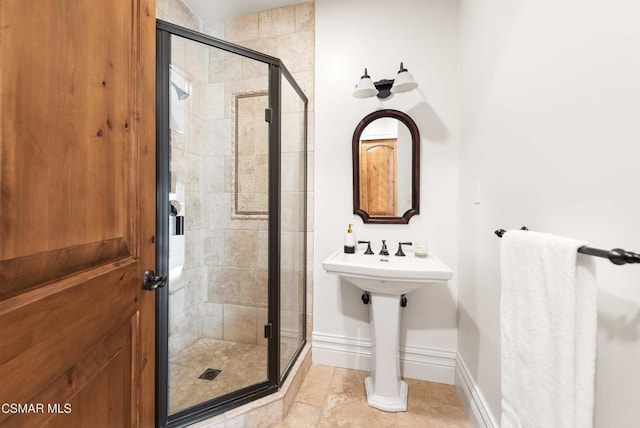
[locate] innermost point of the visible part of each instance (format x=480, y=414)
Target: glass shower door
x=218, y=223
x=231, y=168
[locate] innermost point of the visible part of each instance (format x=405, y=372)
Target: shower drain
x=210, y=374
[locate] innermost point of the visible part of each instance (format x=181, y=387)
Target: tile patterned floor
x=241, y=364
x=333, y=397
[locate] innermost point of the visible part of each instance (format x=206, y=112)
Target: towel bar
x=617, y=256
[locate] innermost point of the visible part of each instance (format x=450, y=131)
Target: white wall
x=351, y=35
x=551, y=130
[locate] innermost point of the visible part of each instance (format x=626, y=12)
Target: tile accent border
x=238, y=212
x=416, y=362
x=474, y=405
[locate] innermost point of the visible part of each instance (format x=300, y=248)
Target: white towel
x=548, y=326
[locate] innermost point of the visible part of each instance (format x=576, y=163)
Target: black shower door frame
x=207, y=409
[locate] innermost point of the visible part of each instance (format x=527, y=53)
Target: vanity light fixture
x=365, y=87
x=403, y=82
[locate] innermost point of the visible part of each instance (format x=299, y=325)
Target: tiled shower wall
x=222, y=292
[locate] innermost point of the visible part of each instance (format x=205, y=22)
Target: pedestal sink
x=387, y=278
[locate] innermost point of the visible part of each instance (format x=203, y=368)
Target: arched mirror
x=386, y=168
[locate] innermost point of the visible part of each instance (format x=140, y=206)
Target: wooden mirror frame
x=415, y=168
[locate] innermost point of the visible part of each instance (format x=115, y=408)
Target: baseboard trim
x=416, y=362
x=472, y=400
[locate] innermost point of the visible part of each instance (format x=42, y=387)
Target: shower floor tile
x=241, y=365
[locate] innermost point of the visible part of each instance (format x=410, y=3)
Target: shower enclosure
x=231, y=236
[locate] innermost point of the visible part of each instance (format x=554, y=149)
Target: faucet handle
x=384, y=251
x=369, y=251
x=400, y=252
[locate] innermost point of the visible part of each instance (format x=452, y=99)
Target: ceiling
x=214, y=10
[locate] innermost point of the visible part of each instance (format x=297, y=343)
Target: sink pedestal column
x=385, y=390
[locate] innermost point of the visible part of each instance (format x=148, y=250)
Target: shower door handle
x=151, y=281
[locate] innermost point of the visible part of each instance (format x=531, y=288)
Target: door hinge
x=267, y=331
x=268, y=115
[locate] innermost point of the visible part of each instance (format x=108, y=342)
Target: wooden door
x=378, y=194
x=77, y=214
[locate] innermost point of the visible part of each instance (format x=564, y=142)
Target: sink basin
x=387, y=278
x=387, y=274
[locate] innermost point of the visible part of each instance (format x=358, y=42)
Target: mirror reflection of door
x=378, y=176
x=385, y=151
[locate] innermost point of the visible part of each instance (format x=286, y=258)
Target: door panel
x=77, y=224
x=67, y=103
x=75, y=396
x=378, y=177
